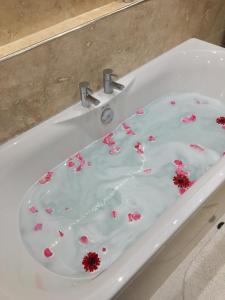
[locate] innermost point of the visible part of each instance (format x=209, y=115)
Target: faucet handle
x=84, y=84
x=108, y=74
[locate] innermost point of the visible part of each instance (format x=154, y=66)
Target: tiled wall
x=21, y=17
x=43, y=81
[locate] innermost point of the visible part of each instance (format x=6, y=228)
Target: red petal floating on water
x=197, y=147
x=49, y=210
x=33, y=210
x=189, y=119
x=48, y=252
x=61, y=233
x=38, y=227
x=84, y=239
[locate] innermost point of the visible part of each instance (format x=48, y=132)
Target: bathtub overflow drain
x=107, y=115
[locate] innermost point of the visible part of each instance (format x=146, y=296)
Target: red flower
x=220, y=120
x=91, y=262
x=182, y=181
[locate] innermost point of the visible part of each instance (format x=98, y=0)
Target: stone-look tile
x=155, y=282
x=43, y=81
x=21, y=17
x=201, y=275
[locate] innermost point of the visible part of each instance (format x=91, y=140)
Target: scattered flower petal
x=147, y=170
x=152, y=138
x=84, y=239
x=128, y=130
x=70, y=163
x=78, y=156
x=189, y=119
x=133, y=217
x=173, y=102
x=179, y=163
x=91, y=262
x=114, y=213
x=33, y=210
x=197, y=147
x=138, y=147
x=46, y=178
x=140, y=111
x=182, y=191
x=49, y=210
x=108, y=140
x=47, y=252
x=114, y=150
x=38, y=227
x=61, y=234
x=103, y=249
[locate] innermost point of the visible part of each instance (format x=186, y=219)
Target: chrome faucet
x=109, y=84
x=86, y=95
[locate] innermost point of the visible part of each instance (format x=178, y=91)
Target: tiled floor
x=192, y=267
x=201, y=275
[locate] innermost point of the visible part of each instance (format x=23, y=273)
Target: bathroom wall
x=21, y=17
x=36, y=84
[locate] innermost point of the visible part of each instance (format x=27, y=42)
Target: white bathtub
x=194, y=66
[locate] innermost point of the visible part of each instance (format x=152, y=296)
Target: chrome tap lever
x=109, y=84
x=86, y=95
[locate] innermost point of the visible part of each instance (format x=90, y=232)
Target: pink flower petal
x=147, y=170
x=79, y=168
x=33, y=210
x=138, y=147
x=173, y=102
x=114, y=213
x=182, y=191
x=108, y=140
x=152, y=138
x=46, y=178
x=128, y=130
x=189, y=119
x=179, y=163
x=130, y=217
x=70, y=163
x=47, y=252
x=197, y=147
x=38, y=227
x=84, y=239
x=140, y=111
x=49, y=210
x=114, y=150
x=134, y=217
x=61, y=234
x=103, y=249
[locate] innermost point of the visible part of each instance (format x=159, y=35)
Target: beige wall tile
x=21, y=17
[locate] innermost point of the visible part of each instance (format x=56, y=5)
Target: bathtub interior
x=83, y=214
x=197, y=71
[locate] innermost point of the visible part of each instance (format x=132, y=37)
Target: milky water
x=104, y=197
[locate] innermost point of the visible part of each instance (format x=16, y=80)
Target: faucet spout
x=86, y=95
x=117, y=85
x=109, y=84
x=93, y=100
